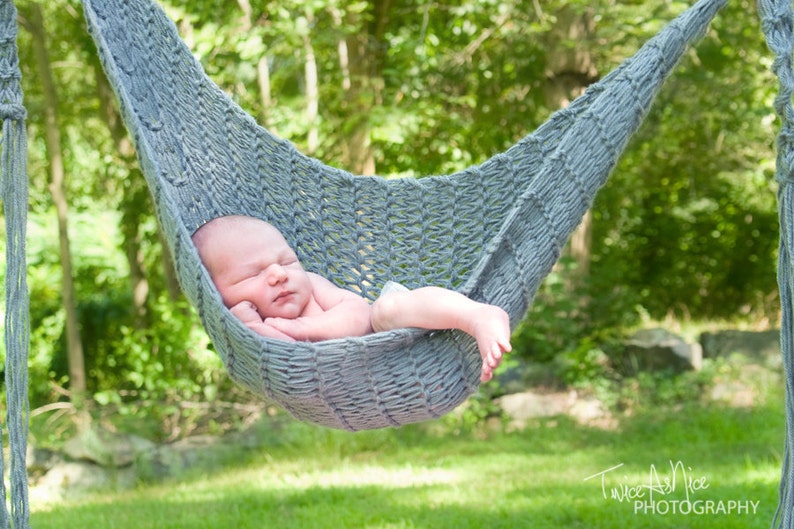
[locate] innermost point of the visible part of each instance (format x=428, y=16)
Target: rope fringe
x=14, y=184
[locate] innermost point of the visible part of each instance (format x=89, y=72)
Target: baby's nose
x=276, y=274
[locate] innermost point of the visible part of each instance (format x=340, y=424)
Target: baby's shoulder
x=328, y=295
x=321, y=283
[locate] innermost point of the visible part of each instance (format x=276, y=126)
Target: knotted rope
x=777, y=22
x=14, y=184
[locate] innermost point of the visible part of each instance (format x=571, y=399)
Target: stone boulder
x=530, y=405
x=39, y=461
x=192, y=452
x=106, y=449
x=659, y=349
x=71, y=480
x=761, y=347
x=100, y=460
x=521, y=408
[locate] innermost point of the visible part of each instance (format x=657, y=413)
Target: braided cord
x=14, y=186
x=777, y=22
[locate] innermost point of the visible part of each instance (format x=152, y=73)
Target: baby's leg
x=438, y=308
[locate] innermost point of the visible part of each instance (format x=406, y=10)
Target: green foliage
x=163, y=361
x=132, y=368
x=479, y=412
x=687, y=225
x=554, y=321
x=650, y=390
x=584, y=365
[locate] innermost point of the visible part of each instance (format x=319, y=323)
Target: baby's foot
x=492, y=333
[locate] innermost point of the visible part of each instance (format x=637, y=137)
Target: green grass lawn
x=417, y=477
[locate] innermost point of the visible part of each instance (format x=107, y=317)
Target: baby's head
x=250, y=261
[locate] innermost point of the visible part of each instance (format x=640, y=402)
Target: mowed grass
x=418, y=477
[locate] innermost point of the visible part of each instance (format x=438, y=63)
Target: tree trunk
x=263, y=80
x=262, y=66
x=569, y=71
x=341, y=49
x=77, y=376
x=365, y=58
x=312, y=89
x=569, y=65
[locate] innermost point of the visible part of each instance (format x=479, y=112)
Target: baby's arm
x=246, y=312
x=342, y=313
x=438, y=308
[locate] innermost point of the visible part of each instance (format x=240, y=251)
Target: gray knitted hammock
x=492, y=232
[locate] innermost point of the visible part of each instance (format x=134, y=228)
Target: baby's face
x=249, y=260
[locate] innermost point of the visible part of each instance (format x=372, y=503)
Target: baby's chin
x=290, y=310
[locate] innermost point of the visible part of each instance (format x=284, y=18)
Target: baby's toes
x=496, y=352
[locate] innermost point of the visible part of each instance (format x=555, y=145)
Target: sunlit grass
x=417, y=477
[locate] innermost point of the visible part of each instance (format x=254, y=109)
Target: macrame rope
x=777, y=21
x=14, y=184
x=500, y=224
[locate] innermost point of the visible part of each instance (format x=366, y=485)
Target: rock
x=733, y=393
x=762, y=347
x=41, y=460
x=523, y=374
x=173, y=459
x=586, y=410
x=744, y=385
x=659, y=349
x=73, y=480
x=522, y=407
x=99, y=460
x=106, y=449
x=530, y=405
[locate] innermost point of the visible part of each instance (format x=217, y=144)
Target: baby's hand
x=296, y=328
x=246, y=312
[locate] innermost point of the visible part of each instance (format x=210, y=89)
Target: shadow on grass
x=385, y=507
x=534, y=478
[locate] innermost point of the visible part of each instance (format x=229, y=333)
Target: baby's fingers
x=245, y=311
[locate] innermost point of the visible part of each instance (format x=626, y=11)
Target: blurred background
x=683, y=237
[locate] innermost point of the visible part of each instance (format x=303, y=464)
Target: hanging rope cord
x=14, y=184
x=777, y=22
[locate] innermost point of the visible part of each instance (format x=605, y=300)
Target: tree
x=34, y=23
x=408, y=87
x=569, y=70
x=688, y=223
x=365, y=90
